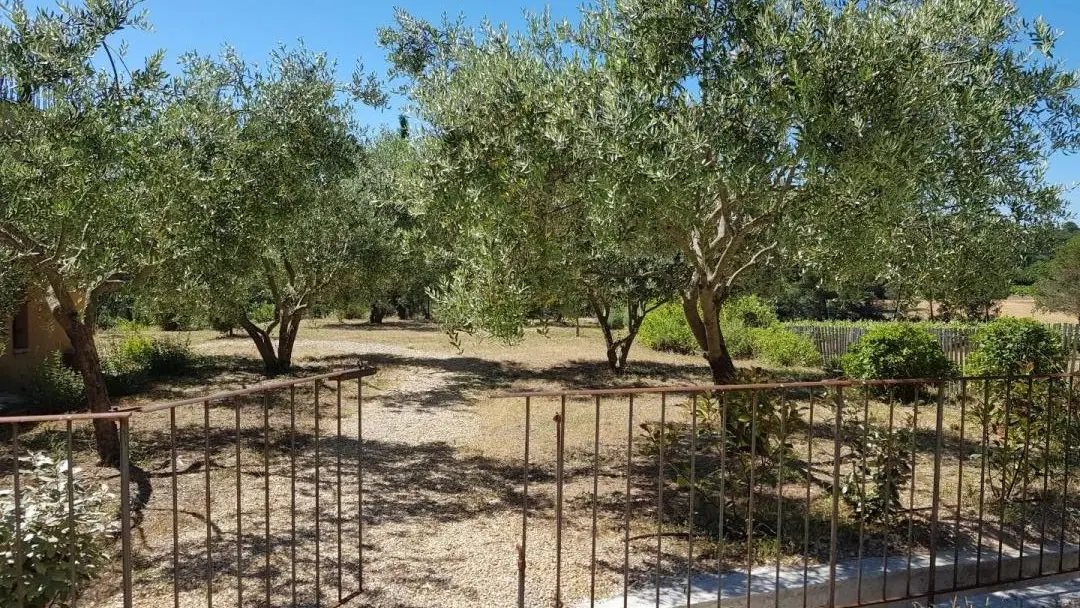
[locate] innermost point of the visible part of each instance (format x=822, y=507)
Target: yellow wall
x=45, y=337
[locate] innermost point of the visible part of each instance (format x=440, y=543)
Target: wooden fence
x=833, y=342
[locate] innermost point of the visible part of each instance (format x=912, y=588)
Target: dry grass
x=443, y=476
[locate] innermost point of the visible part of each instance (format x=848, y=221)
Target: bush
x=740, y=341
x=170, y=357
x=1022, y=291
x=748, y=311
x=1011, y=346
x=897, y=350
x=132, y=363
x=666, y=329
x=52, y=539
x=54, y=387
x=780, y=346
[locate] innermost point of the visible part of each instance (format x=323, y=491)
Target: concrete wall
x=45, y=337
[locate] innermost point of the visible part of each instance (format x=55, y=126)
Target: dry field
x=443, y=477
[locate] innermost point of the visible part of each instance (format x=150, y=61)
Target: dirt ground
x=442, y=462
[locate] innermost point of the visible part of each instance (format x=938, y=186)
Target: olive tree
x=93, y=188
x=737, y=130
x=510, y=190
x=1059, y=288
x=288, y=212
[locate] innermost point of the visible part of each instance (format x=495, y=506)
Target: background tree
x=738, y=131
x=93, y=191
x=1058, y=289
x=512, y=206
x=289, y=213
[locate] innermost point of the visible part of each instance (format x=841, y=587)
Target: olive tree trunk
x=702, y=308
x=277, y=358
x=80, y=332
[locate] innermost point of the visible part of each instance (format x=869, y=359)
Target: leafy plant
x=54, y=387
x=666, y=329
x=897, y=350
x=1022, y=415
x=882, y=469
x=781, y=346
x=736, y=432
x=1012, y=346
x=748, y=311
x=53, y=540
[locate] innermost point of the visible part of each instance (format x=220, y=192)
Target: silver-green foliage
x=729, y=133
x=54, y=537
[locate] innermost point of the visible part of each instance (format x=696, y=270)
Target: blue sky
x=346, y=30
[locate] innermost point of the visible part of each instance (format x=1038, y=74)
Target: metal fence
x=834, y=341
x=247, y=497
x=830, y=493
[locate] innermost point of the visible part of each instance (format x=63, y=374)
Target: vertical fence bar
x=125, y=509
x=337, y=491
x=1024, y=459
x=209, y=521
x=175, y=509
x=834, y=531
x=723, y=477
x=70, y=483
x=595, y=499
x=806, y=513
x=1069, y=422
x=524, y=508
x=318, y=504
x=889, y=447
x=983, y=464
x=360, y=483
x=560, y=438
x=266, y=495
x=935, y=494
x=862, y=484
x=750, y=495
x=690, y=519
x=239, y=512
x=660, y=494
x=960, y=484
x=1005, y=442
x=629, y=478
x=1046, y=474
x=780, y=495
x=20, y=585
x=292, y=490
x=911, y=494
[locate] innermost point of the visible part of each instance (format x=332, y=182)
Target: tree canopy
x=732, y=132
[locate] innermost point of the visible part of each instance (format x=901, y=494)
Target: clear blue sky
x=346, y=30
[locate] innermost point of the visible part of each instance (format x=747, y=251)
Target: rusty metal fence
x=832, y=493
x=251, y=497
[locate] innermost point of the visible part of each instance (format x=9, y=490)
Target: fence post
x=125, y=511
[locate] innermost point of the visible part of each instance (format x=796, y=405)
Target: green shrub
x=54, y=387
x=617, y=319
x=1023, y=291
x=780, y=346
x=740, y=341
x=897, y=350
x=52, y=538
x=748, y=311
x=1016, y=346
x=666, y=329
x=170, y=357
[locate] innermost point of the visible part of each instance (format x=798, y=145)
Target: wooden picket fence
x=833, y=342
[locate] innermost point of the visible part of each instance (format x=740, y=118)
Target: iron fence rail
x=259, y=503
x=834, y=493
